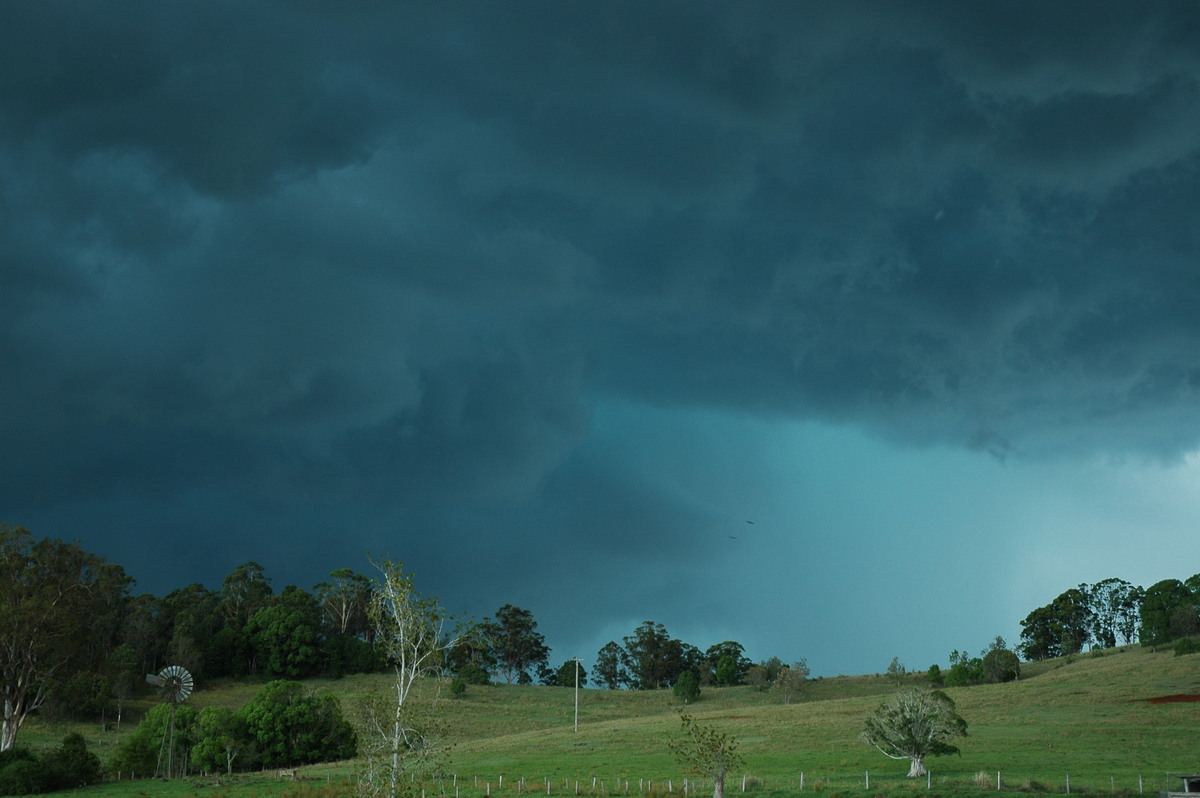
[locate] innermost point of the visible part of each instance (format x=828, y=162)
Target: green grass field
x=1088, y=719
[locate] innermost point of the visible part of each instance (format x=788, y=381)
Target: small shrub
x=983, y=780
x=473, y=674
x=21, y=773
x=687, y=687
x=1186, y=645
x=458, y=687
x=71, y=765
x=934, y=674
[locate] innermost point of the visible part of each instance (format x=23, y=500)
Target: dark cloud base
x=299, y=281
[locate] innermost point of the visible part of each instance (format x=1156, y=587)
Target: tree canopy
x=51, y=594
x=913, y=725
x=516, y=645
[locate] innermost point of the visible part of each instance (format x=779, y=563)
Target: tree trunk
x=719, y=786
x=9, y=734
x=918, y=766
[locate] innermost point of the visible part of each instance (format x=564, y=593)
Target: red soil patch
x=1181, y=698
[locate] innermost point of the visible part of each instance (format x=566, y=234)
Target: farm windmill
x=174, y=684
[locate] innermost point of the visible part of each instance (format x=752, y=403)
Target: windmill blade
x=173, y=683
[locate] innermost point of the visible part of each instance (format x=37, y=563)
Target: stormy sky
x=846, y=330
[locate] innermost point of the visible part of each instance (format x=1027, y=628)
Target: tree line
x=78, y=642
x=1113, y=612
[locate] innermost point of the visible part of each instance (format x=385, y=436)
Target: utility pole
x=577, y=695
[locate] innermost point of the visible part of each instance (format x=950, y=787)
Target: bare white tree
x=399, y=734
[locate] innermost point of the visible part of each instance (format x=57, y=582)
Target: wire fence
x=833, y=784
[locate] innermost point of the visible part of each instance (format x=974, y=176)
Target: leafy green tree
x=1000, y=665
x=687, y=687
x=84, y=695
x=1115, y=604
x=610, y=670
x=1159, y=604
x=1073, y=613
x=47, y=604
x=1040, y=638
x=144, y=630
x=286, y=636
x=222, y=735
x=915, y=724
x=515, y=642
x=139, y=753
x=1064, y=626
x=344, y=600
x=964, y=670
x=934, y=674
x=564, y=675
x=772, y=666
x=653, y=658
x=473, y=674
x=292, y=725
x=243, y=592
x=192, y=623
x=704, y=750
x=728, y=661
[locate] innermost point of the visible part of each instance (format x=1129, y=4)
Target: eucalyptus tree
x=654, y=659
x=399, y=735
x=50, y=594
x=516, y=645
x=1115, y=604
x=610, y=667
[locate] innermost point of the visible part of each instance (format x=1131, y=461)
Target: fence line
x=691, y=787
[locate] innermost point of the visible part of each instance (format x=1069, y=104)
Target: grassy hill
x=1090, y=718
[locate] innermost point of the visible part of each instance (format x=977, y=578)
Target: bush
x=71, y=765
x=687, y=687
x=67, y=767
x=21, y=773
x=473, y=674
x=291, y=725
x=458, y=687
x=1001, y=665
x=1186, y=645
x=138, y=753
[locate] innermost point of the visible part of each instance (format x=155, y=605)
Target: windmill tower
x=174, y=684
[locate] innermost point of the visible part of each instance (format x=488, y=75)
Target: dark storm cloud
x=292, y=263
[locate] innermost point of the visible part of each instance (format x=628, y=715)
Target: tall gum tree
x=48, y=600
